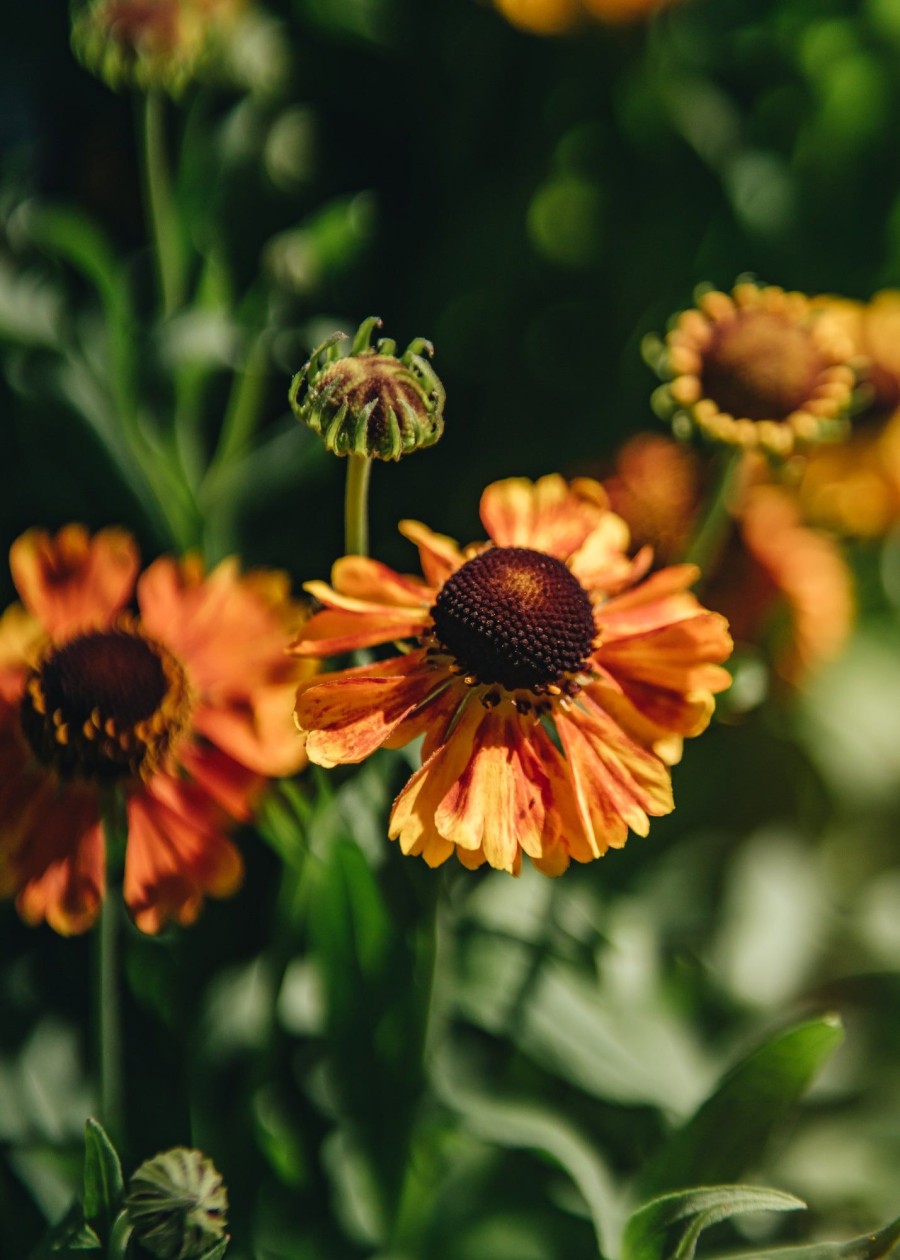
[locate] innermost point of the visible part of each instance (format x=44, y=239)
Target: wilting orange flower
x=773, y=571
x=185, y=706
x=855, y=486
x=554, y=686
x=759, y=368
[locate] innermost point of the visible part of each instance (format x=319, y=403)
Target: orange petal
x=365, y=579
x=330, y=633
x=226, y=781
x=257, y=731
x=547, y=515
x=72, y=582
x=348, y=715
x=60, y=864
x=439, y=555
x=497, y=804
x=617, y=784
x=656, y=717
x=176, y=854
x=680, y=656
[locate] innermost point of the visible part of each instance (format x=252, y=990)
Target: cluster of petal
x=774, y=570
x=227, y=630
x=494, y=781
x=553, y=17
x=758, y=368
x=854, y=487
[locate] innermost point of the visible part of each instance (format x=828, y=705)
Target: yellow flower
x=185, y=706
x=553, y=686
x=758, y=368
x=855, y=487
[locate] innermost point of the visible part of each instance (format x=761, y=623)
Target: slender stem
x=356, y=506
x=161, y=206
x=243, y=410
x=709, y=536
x=107, y=983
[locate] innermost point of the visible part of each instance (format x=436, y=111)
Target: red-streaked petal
x=348, y=715
x=497, y=804
x=664, y=596
x=333, y=632
x=654, y=716
x=617, y=783
x=20, y=637
x=439, y=555
x=177, y=853
x=71, y=581
x=680, y=656
x=547, y=515
x=365, y=579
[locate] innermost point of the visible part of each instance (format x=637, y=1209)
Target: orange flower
x=553, y=686
x=855, y=487
x=185, y=706
x=772, y=571
x=552, y=17
x=776, y=565
x=759, y=368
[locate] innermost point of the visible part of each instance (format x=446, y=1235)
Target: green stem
x=161, y=206
x=243, y=411
x=356, y=506
x=711, y=532
x=107, y=984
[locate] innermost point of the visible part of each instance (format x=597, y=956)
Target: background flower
x=185, y=707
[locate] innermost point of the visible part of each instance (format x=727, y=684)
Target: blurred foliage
x=520, y=1086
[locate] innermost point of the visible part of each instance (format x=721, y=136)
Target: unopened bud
x=176, y=1203
x=370, y=402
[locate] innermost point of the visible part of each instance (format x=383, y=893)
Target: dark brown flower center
x=106, y=705
x=760, y=366
x=515, y=617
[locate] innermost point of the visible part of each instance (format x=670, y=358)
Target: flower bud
x=176, y=1204
x=150, y=43
x=370, y=402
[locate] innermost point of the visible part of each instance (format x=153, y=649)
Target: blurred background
x=535, y=190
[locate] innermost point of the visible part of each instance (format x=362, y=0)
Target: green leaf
x=85, y=1238
x=103, y=1184
x=866, y=1247
x=732, y=1128
x=645, y=1232
x=216, y=1252
x=524, y=1125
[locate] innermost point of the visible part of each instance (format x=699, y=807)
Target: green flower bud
x=176, y=1203
x=370, y=402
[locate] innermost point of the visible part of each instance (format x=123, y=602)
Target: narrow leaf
x=217, y=1252
x=103, y=1185
x=645, y=1232
x=866, y=1247
x=731, y=1130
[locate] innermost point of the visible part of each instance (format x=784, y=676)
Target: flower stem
x=356, y=506
x=161, y=207
x=109, y=1034
x=709, y=535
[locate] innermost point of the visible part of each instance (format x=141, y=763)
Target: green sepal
x=645, y=1232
